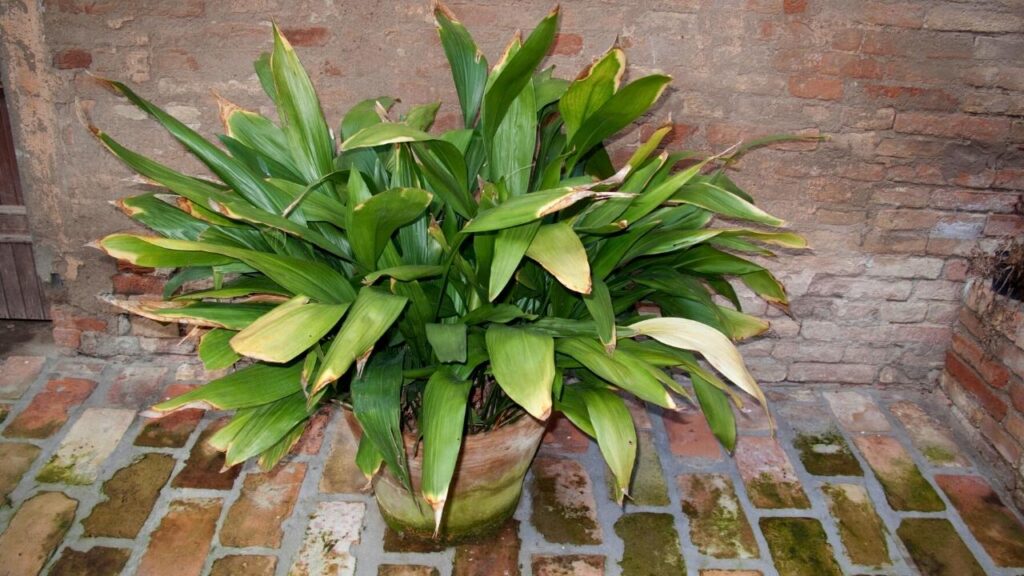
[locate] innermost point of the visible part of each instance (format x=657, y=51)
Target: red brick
x=851, y=66
x=137, y=386
x=1017, y=395
x=1012, y=178
x=972, y=383
x=899, y=15
x=816, y=87
x=49, y=410
x=1004, y=225
x=955, y=270
x=974, y=200
x=994, y=373
x=72, y=59
x=137, y=285
x=267, y=499
x=953, y=126
x=904, y=147
x=847, y=40
x=676, y=137
x=309, y=36
x=89, y=323
x=567, y=44
x=912, y=97
x=204, y=467
x=497, y=554
x=130, y=495
x=180, y=544
x=689, y=435
x=67, y=338
x=17, y=373
x=563, y=436
x=794, y=6
x=1006, y=445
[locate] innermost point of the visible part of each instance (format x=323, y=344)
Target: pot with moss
x=453, y=289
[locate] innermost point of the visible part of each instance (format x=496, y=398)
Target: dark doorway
x=21, y=294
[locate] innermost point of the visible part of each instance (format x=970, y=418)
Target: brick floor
x=855, y=481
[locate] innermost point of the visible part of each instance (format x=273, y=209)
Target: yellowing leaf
x=559, y=250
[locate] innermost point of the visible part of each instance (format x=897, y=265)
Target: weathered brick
x=718, y=525
x=650, y=544
x=92, y=438
x=689, y=434
x=901, y=15
x=799, y=546
x=180, y=543
x=72, y=58
x=17, y=374
x=860, y=288
x=563, y=436
x=96, y=561
x=816, y=87
x=131, y=493
x=566, y=565
x=563, y=506
x=817, y=372
x=137, y=285
x=1006, y=445
x=973, y=383
x=136, y=386
x=768, y=475
x=205, y=465
x=930, y=437
x=494, y=554
x=1004, y=225
x=35, y=531
x=953, y=126
x=244, y=564
x=17, y=459
x=567, y=44
x=860, y=528
x=267, y=500
x=307, y=36
x=934, y=542
x=340, y=472
x=49, y=409
x=905, y=488
x=906, y=97
x=959, y=17
x=857, y=412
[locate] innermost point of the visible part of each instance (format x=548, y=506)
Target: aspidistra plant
x=443, y=284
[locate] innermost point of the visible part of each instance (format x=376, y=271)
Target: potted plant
x=455, y=289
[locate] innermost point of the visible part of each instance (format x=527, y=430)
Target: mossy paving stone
x=991, y=522
x=937, y=549
x=860, y=528
x=131, y=493
x=395, y=541
x=17, y=459
x=563, y=508
x=827, y=454
x=96, y=561
x=493, y=555
x=238, y=564
x=650, y=545
x=905, y=488
x=718, y=526
x=647, y=487
x=769, y=476
x=406, y=570
x=34, y=532
x=567, y=565
x=799, y=547
x=929, y=436
x=5, y=410
x=171, y=431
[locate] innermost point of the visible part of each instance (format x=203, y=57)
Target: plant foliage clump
x=445, y=284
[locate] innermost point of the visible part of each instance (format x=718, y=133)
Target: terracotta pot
x=484, y=492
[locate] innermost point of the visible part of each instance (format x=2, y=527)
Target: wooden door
x=21, y=294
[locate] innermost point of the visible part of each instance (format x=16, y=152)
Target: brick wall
x=923, y=102
x=984, y=377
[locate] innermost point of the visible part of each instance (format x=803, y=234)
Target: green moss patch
x=937, y=549
x=562, y=508
x=827, y=454
x=58, y=471
x=718, y=526
x=131, y=494
x=96, y=560
x=799, y=547
x=651, y=545
x=768, y=492
x=860, y=528
x=906, y=489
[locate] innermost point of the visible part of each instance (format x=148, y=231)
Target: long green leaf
x=215, y=351
x=715, y=405
x=442, y=422
x=299, y=108
x=448, y=341
x=587, y=93
x=139, y=251
x=468, y=65
x=384, y=133
x=616, y=368
x=559, y=250
x=599, y=304
x=377, y=404
x=615, y=433
x=268, y=425
x=510, y=245
x=369, y=318
x=619, y=111
x=526, y=208
x=375, y=220
x=524, y=366
x=251, y=386
x=288, y=330
x=721, y=201
x=161, y=217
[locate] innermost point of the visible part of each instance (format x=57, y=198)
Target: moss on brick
x=768, y=492
x=62, y=472
x=799, y=547
x=717, y=524
x=939, y=455
x=561, y=522
x=651, y=545
x=906, y=489
x=827, y=454
x=937, y=549
x=860, y=528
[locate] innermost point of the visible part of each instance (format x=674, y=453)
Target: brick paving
x=856, y=481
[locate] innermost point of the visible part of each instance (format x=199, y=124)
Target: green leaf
x=368, y=458
x=442, y=422
x=288, y=330
x=706, y=260
x=619, y=111
x=271, y=456
x=515, y=73
x=619, y=368
x=653, y=197
x=232, y=172
x=260, y=134
x=369, y=318
x=500, y=313
x=243, y=286
x=215, y=351
x=421, y=117
x=559, y=250
x=587, y=93
x=267, y=426
x=364, y=114
x=764, y=284
x=599, y=304
x=615, y=433
x=377, y=405
x=251, y=386
x=510, y=245
x=301, y=117
x=375, y=220
x=575, y=409
x=404, y=273
x=233, y=316
x=644, y=151
x=468, y=65
x=139, y=251
x=302, y=277
x=712, y=344
x=524, y=366
x=161, y=217
x=526, y=208
x=514, y=143
x=721, y=201
x=448, y=341
x=715, y=405
x=384, y=133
